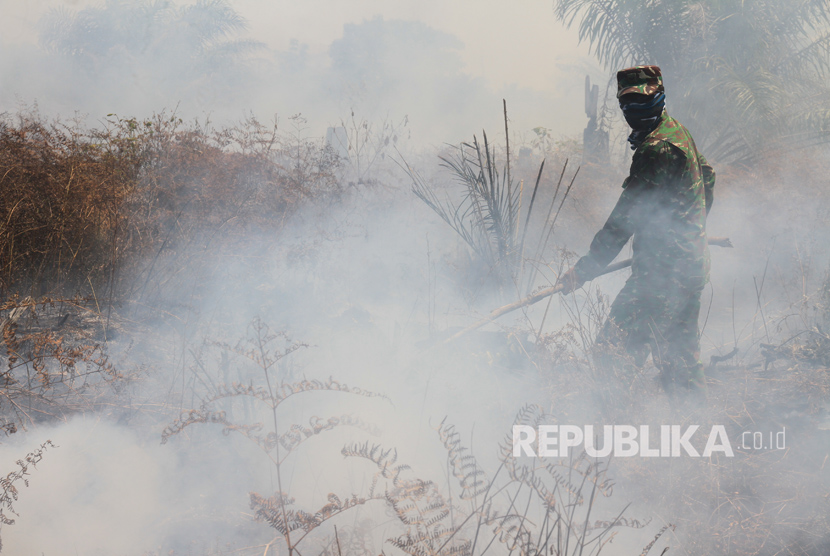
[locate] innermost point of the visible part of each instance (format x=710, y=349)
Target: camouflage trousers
x=661, y=319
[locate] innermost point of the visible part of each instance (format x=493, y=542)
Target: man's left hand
x=569, y=281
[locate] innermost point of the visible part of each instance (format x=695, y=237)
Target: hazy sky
x=506, y=42
x=509, y=45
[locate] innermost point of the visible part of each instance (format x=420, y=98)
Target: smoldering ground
x=357, y=293
x=366, y=283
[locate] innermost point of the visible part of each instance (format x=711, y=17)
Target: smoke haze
x=365, y=280
x=381, y=60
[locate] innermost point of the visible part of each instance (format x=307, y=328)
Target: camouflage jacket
x=664, y=203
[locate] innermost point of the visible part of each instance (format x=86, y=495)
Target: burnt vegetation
x=84, y=206
x=100, y=223
x=134, y=235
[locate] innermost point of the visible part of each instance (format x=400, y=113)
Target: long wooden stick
x=542, y=294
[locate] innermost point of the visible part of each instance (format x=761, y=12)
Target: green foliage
x=745, y=76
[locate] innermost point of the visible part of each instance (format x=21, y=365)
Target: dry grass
x=50, y=372
x=91, y=211
x=96, y=218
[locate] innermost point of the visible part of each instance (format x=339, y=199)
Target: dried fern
x=562, y=493
x=9, y=492
x=471, y=477
x=261, y=347
x=49, y=372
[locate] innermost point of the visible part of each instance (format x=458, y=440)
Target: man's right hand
x=569, y=281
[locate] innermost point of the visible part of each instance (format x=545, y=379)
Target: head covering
x=646, y=114
x=643, y=117
x=644, y=80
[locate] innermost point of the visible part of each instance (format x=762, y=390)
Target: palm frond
x=734, y=69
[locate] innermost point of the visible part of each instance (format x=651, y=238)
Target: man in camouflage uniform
x=664, y=204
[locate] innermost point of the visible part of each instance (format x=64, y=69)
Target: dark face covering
x=643, y=115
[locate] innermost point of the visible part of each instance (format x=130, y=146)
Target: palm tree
x=154, y=39
x=745, y=75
